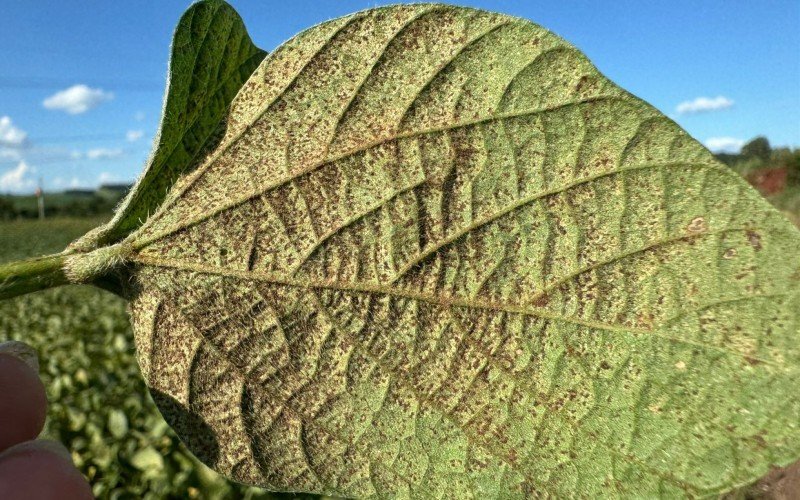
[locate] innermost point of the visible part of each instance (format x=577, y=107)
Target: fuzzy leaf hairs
x=430, y=251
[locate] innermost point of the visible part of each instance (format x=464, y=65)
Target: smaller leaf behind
x=212, y=56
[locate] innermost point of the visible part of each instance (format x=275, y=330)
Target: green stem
x=31, y=275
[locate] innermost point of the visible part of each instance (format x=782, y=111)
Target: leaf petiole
x=31, y=275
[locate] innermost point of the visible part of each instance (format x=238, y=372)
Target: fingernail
x=55, y=447
x=48, y=445
x=22, y=351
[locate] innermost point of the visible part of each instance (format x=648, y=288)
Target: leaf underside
x=437, y=253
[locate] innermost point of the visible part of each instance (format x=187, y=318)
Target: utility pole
x=40, y=199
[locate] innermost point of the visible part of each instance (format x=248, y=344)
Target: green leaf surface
x=437, y=254
x=212, y=56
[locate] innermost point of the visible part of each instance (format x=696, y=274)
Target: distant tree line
x=757, y=155
x=71, y=203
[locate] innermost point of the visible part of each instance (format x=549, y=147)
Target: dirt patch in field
x=769, y=180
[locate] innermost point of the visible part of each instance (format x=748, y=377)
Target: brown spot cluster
x=754, y=239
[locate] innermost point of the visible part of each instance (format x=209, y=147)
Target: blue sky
x=81, y=82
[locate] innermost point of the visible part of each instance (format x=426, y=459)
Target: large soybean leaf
x=212, y=56
x=438, y=254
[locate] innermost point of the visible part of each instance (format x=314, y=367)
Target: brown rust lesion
x=697, y=225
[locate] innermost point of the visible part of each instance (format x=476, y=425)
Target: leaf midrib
x=682, y=484
x=451, y=301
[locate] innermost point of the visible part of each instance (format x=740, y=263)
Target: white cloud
x=9, y=134
x=103, y=154
x=724, y=144
x=134, y=135
x=139, y=116
x=77, y=99
x=9, y=154
x=107, y=178
x=96, y=154
x=704, y=104
x=60, y=182
x=17, y=179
